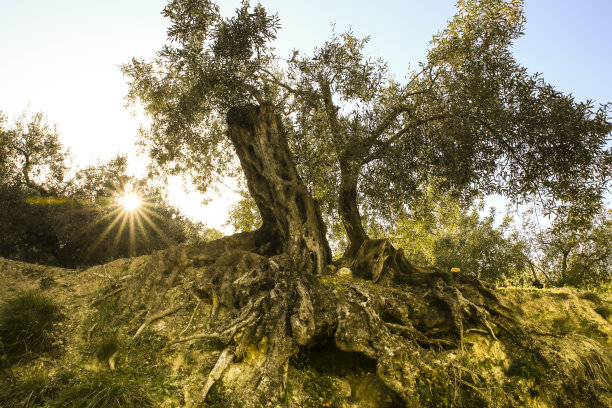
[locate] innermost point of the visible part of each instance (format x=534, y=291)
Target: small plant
x=592, y=296
x=216, y=398
x=26, y=324
x=107, y=347
x=604, y=311
x=527, y=366
x=46, y=282
x=564, y=324
x=321, y=390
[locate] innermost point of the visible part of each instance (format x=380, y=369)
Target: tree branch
x=384, y=145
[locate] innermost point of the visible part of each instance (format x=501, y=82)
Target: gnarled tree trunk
x=349, y=211
x=266, y=303
x=291, y=217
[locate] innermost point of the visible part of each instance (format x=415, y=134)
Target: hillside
x=110, y=347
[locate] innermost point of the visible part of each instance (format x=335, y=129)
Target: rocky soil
x=206, y=327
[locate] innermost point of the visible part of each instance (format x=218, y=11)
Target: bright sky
x=61, y=57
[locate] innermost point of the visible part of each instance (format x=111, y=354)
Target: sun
x=130, y=201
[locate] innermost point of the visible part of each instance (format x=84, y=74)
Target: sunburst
x=130, y=201
x=130, y=212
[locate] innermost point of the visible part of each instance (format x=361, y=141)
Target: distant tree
x=447, y=233
x=32, y=156
x=243, y=215
x=47, y=218
x=575, y=253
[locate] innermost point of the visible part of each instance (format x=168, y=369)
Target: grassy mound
x=26, y=324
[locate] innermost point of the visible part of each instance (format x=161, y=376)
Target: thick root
x=263, y=312
x=225, y=359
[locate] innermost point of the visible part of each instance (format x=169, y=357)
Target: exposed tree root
x=106, y=296
x=195, y=309
x=269, y=306
x=91, y=329
x=225, y=359
x=214, y=310
x=156, y=316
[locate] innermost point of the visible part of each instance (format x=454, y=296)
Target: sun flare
x=130, y=201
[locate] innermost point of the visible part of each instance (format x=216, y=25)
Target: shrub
x=591, y=296
x=528, y=366
x=46, y=282
x=26, y=324
x=107, y=347
x=604, y=311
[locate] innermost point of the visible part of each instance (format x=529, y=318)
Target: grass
x=32, y=392
x=26, y=324
x=104, y=391
x=69, y=390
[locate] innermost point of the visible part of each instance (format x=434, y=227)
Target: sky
x=62, y=56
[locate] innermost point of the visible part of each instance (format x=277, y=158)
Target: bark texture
x=291, y=217
x=349, y=211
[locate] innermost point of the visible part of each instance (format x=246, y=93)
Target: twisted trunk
x=349, y=211
x=267, y=304
x=291, y=218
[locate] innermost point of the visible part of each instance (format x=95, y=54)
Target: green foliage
x=575, y=252
x=108, y=346
x=210, y=64
x=320, y=389
x=86, y=224
x=27, y=324
x=244, y=215
x=32, y=156
x=446, y=233
x=471, y=119
x=529, y=366
x=34, y=391
x=46, y=282
x=104, y=391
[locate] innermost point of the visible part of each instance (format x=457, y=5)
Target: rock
x=345, y=272
x=343, y=387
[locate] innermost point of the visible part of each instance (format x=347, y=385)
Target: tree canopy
x=470, y=120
